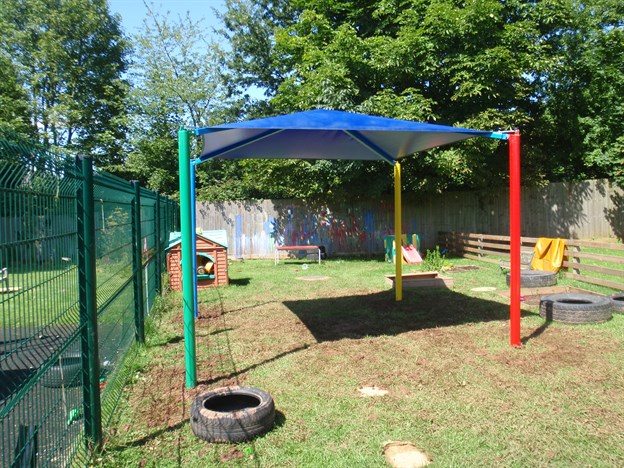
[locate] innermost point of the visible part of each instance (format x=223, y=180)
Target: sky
x=134, y=11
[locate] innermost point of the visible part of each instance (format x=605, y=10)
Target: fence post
x=166, y=229
x=137, y=264
x=576, y=249
x=92, y=408
x=158, y=243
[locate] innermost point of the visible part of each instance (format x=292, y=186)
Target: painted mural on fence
x=254, y=229
x=588, y=209
x=352, y=231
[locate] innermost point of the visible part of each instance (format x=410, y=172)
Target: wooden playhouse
x=212, y=261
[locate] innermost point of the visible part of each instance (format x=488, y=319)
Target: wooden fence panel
x=579, y=210
x=603, y=266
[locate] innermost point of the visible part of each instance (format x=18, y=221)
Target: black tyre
x=535, y=278
x=576, y=308
x=65, y=372
x=617, y=301
x=232, y=414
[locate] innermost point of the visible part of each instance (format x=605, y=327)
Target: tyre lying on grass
x=576, y=308
x=617, y=301
x=535, y=278
x=232, y=414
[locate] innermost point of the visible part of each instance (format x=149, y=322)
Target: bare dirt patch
x=312, y=278
x=231, y=454
x=459, y=269
x=160, y=398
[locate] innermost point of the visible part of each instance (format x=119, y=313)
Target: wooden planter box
x=426, y=279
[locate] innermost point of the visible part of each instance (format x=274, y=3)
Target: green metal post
x=167, y=225
x=137, y=264
x=158, y=242
x=187, y=240
x=92, y=408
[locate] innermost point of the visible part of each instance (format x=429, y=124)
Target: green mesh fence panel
x=42, y=358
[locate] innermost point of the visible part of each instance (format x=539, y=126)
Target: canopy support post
x=194, y=244
x=514, y=237
x=398, y=255
x=187, y=240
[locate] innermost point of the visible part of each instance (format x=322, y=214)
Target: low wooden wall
x=600, y=263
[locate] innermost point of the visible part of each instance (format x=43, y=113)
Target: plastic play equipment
x=390, y=245
x=411, y=255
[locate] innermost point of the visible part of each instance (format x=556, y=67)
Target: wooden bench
x=307, y=248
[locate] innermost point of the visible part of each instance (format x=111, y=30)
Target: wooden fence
x=580, y=210
x=600, y=263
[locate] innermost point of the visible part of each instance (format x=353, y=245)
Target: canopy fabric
x=327, y=134
x=323, y=134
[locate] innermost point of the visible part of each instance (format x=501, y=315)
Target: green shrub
x=434, y=260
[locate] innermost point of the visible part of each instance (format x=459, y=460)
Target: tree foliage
x=13, y=99
x=176, y=82
x=549, y=67
x=552, y=68
x=583, y=106
x=67, y=58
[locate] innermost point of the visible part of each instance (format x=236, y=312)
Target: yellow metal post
x=398, y=257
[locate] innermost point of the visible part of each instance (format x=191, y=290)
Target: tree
x=427, y=61
x=488, y=64
x=176, y=82
x=583, y=104
x=13, y=100
x=69, y=57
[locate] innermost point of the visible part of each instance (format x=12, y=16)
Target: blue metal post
x=194, y=224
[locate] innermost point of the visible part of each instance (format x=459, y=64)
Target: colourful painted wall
x=589, y=209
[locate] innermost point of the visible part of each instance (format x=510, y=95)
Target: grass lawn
x=49, y=296
x=457, y=390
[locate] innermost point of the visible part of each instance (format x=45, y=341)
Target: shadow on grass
x=280, y=419
x=240, y=281
x=218, y=332
x=335, y=318
x=537, y=332
x=207, y=313
x=172, y=340
x=239, y=372
x=148, y=438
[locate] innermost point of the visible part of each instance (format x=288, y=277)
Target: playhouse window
x=205, y=266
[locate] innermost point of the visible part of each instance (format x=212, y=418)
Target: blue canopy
x=327, y=134
x=324, y=134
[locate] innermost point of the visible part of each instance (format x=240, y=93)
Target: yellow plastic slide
x=548, y=254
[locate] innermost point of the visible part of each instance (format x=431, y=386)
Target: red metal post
x=514, y=237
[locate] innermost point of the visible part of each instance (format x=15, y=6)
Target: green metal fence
x=81, y=259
